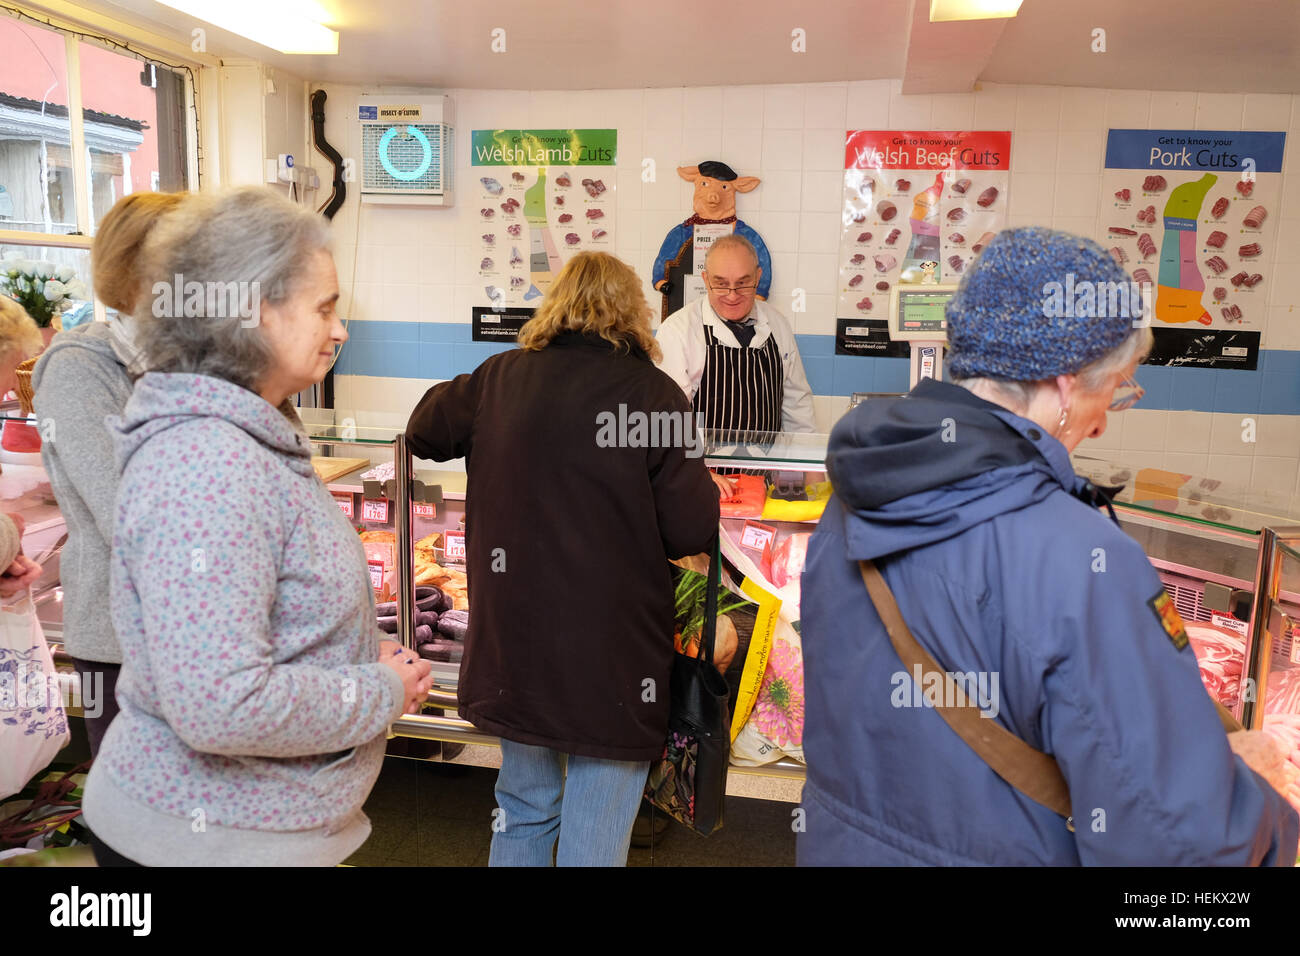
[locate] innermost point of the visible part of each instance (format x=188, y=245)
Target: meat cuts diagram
x=545, y=196
x=1187, y=213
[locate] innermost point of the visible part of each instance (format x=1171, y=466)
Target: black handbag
x=689, y=781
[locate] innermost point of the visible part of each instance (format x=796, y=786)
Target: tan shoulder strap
x=1032, y=772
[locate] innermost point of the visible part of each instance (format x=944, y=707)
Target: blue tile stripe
x=442, y=350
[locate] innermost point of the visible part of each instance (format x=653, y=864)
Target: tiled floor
x=440, y=814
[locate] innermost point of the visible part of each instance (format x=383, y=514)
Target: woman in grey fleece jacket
x=254, y=697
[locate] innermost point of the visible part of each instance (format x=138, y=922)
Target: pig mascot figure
x=716, y=185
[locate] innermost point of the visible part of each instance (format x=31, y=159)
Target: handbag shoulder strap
x=1035, y=774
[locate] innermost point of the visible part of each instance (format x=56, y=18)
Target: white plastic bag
x=33, y=723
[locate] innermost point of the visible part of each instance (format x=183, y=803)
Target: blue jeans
x=591, y=811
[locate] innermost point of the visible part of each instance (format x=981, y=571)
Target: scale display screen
x=918, y=314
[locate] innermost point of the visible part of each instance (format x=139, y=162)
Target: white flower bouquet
x=42, y=288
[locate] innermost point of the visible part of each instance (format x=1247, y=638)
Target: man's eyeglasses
x=1126, y=395
x=736, y=289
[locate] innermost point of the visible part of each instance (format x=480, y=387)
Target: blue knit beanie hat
x=1008, y=321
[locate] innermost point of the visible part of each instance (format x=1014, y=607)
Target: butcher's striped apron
x=741, y=389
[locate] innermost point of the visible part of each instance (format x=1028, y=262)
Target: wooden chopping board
x=331, y=469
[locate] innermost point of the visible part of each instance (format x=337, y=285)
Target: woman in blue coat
x=1004, y=569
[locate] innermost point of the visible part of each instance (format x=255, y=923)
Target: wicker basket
x=25, y=394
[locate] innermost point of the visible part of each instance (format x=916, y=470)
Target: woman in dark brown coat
x=585, y=479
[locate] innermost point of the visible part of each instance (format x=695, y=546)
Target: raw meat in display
x=595, y=214
x=1124, y=195
x=855, y=282
x=559, y=200
x=886, y=210
x=1254, y=280
x=858, y=259
x=565, y=217
x=572, y=238
x=864, y=305
x=1220, y=293
x=1119, y=255
x=1220, y=207
x=884, y=262
x=1239, y=278
x=957, y=239
x=594, y=187
x=1121, y=231
x=510, y=205
x=489, y=239
x=515, y=230
x=485, y=263
x=515, y=258
x=983, y=241
x=1153, y=184
x=864, y=237
x=1141, y=277
x=517, y=177
x=1255, y=218
x=1250, y=250
x=1146, y=245
x=902, y=185
x=788, y=558
x=563, y=180
x=487, y=213
x=1285, y=730
x=882, y=286
x=956, y=214
x=1231, y=313
x=955, y=263
x=491, y=185
x=987, y=197
x=960, y=186
x=1283, y=696
x=893, y=236
x=1217, y=265
x=1147, y=215
x=1216, y=239
x=1245, y=186
x=1220, y=655
x=598, y=233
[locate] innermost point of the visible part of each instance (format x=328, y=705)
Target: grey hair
x=731, y=241
x=1019, y=395
x=249, y=246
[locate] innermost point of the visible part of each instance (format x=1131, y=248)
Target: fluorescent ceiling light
x=941, y=10
x=290, y=26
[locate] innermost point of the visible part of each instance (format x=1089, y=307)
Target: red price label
x=376, y=574
x=374, y=509
x=454, y=545
x=756, y=537
x=345, y=505
x=423, y=510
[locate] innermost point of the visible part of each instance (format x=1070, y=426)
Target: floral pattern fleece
x=249, y=685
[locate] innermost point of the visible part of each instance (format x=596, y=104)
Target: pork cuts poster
x=1193, y=213
x=542, y=195
x=916, y=205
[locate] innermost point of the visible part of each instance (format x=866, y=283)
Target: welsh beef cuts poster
x=1193, y=214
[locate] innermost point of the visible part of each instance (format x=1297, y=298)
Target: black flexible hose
x=332, y=154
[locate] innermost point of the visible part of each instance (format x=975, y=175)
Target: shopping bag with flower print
x=689, y=781
x=33, y=724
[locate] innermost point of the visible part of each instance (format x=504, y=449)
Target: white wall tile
x=1083, y=109
x=1189, y=432
x=824, y=149
x=1172, y=110
x=782, y=149
x=826, y=107
x=742, y=150
x=1080, y=152
x=742, y=107
x=436, y=303
x=1282, y=330
x=817, y=273
x=1038, y=107
x=780, y=230
x=868, y=104
x=1288, y=241
x=699, y=145
x=1219, y=110
x=783, y=107
x=1079, y=225
x=780, y=190
x=437, y=265
x=703, y=107
x=1266, y=111
x=1145, y=430
x=819, y=232
x=1226, y=433
x=1034, y=152
x=995, y=108
x=907, y=112
x=1187, y=463
x=1275, y=435
x=1032, y=194
x=818, y=317
x=1076, y=195
x=663, y=108
x=823, y=192
x=952, y=111
x=1233, y=470
x=1128, y=109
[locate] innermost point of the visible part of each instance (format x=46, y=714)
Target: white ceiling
x=1202, y=45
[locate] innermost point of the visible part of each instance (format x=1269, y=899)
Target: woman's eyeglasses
x=1126, y=395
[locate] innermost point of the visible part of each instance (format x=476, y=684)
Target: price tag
x=423, y=509
x=345, y=505
x=376, y=574
x=1229, y=622
x=757, y=537
x=453, y=546
x=374, y=509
